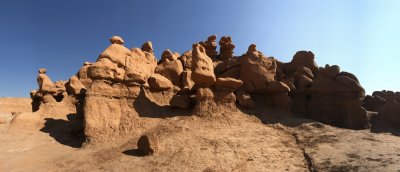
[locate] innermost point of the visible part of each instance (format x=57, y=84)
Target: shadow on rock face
x=146, y=107
x=134, y=152
x=67, y=132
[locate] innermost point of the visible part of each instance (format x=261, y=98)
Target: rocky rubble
x=124, y=85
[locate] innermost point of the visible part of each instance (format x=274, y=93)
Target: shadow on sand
x=67, y=132
x=134, y=152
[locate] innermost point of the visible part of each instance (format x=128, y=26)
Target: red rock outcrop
x=124, y=85
x=226, y=48
x=378, y=99
x=390, y=113
x=170, y=67
x=337, y=100
x=210, y=45
x=202, y=67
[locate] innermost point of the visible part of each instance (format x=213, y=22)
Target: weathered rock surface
x=228, y=83
x=83, y=76
x=127, y=92
x=226, y=48
x=337, y=100
x=75, y=86
x=378, y=99
x=256, y=71
x=160, y=83
x=186, y=105
x=171, y=68
x=210, y=45
x=301, y=59
x=202, y=67
x=390, y=113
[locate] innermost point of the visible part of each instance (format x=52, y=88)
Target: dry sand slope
x=231, y=142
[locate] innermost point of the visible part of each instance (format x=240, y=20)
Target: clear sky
x=361, y=36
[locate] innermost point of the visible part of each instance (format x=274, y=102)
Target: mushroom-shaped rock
x=226, y=48
x=75, y=86
x=202, y=67
x=116, y=40
x=256, y=70
x=45, y=83
x=159, y=82
x=116, y=52
x=229, y=83
x=148, y=47
x=148, y=144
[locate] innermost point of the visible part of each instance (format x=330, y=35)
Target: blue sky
x=362, y=37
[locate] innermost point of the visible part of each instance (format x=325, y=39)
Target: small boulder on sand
x=148, y=144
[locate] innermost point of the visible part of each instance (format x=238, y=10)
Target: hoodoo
x=124, y=85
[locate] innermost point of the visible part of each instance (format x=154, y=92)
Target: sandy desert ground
x=257, y=140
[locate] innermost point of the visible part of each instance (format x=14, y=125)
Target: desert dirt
x=261, y=139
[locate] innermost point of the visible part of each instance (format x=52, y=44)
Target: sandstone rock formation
x=202, y=67
x=210, y=45
x=256, y=70
x=387, y=104
x=337, y=100
x=159, y=82
x=226, y=48
x=377, y=100
x=209, y=104
x=170, y=67
x=123, y=86
x=390, y=113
